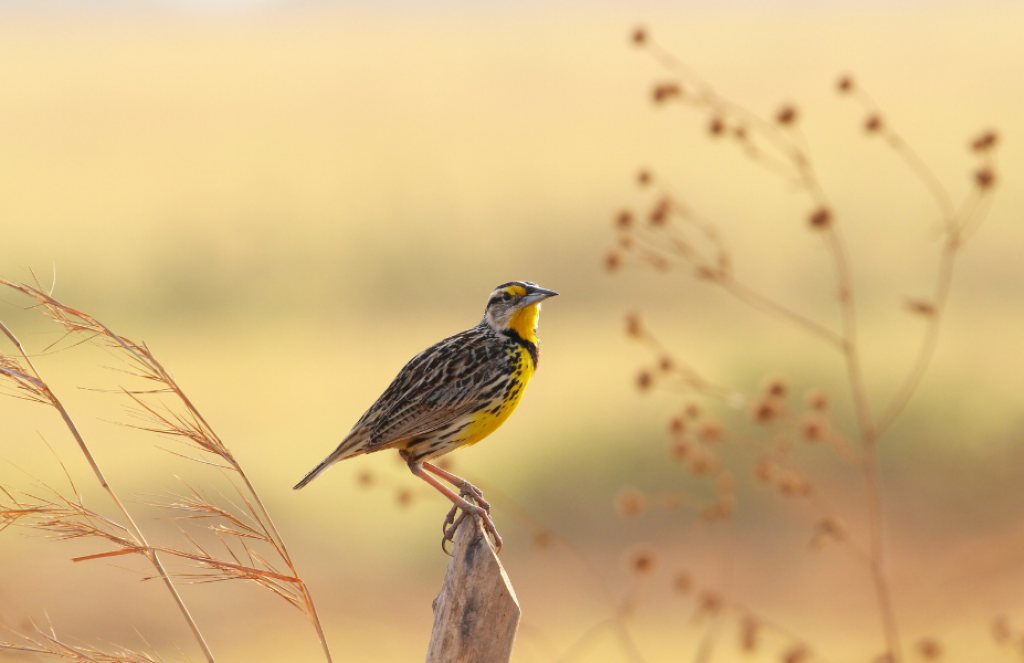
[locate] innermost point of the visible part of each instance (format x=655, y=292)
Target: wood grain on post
x=476, y=614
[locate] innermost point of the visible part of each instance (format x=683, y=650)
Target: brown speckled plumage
x=457, y=391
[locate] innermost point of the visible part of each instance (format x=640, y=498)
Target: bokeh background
x=287, y=200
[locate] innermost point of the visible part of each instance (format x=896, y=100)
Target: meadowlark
x=454, y=394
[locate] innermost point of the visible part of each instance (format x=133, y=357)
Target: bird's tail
x=346, y=449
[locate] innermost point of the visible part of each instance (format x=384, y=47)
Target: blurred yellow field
x=287, y=203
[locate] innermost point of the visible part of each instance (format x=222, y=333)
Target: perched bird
x=453, y=394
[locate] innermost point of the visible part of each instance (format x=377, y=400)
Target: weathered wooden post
x=476, y=613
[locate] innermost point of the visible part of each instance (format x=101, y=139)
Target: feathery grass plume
x=49, y=644
x=32, y=387
x=65, y=518
x=166, y=410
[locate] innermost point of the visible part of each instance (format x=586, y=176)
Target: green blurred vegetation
x=287, y=206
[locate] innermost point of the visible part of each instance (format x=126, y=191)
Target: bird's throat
x=524, y=323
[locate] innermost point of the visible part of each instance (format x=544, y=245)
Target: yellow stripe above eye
x=516, y=290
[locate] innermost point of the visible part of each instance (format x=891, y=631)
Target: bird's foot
x=458, y=514
x=470, y=492
x=472, y=495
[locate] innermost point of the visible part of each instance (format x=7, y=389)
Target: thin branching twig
x=779, y=147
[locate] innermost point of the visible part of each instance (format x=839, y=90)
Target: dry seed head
x=446, y=463
x=692, y=410
x=677, y=425
x=786, y=115
x=873, y=123
x=642, y=560
x=710, y=430
x=832, y=527
x=749, y=632
x=630, y=502
x=827, y=530
x=798, y=653
x=681, y=449
x=716, y=126
x=706, y=272
x=1001, y=631
x=985, y=141
x=644, y=380
x=365, y=478
x=929, y=649
x=639, y=36
x=709, y=601
x=814, y=427
x=404, y=497
x=761, y=411
x=820, y=218
x=845, y=83
x=612, y=260
x=665, y=91
x=634, y=327
x=666, y=364
x=542, y=540
x=624, y=219
x=703, y=464
x=767, y=409
x=792, y=485
x=985, y=178
x=659, y=213
x=920, y=307
x=816, y=399
x=775, y=385
x=625, y=241
x=764, y=471
x=682, y=583
x=643, y=178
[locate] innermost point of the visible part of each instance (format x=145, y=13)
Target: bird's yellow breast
x=487, y=421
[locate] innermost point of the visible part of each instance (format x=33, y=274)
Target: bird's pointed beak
x=535, y=294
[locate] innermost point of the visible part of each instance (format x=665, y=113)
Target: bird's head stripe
x=513, y=288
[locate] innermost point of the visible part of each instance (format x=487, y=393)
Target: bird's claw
x=449, y=521
x=480, y=510
x=470, y=492
x=451, y=525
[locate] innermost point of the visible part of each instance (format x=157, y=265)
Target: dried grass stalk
x=183, y=422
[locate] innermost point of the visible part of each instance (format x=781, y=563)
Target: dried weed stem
x=46, y=395
x=779, y=147
x=190, y=426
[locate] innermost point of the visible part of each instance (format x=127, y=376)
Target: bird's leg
x=452, y=523
x=466, y=489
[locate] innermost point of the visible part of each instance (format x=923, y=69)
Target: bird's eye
x=505, y=296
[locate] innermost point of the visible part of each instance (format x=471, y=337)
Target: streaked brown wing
x=446, y=381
